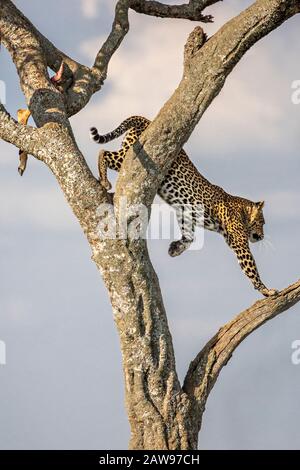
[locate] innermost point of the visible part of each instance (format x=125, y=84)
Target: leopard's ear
x=259, y=205
x=256, y=208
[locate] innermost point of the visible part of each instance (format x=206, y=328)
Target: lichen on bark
x=163, y=414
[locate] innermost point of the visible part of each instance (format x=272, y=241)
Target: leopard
x=237, y=219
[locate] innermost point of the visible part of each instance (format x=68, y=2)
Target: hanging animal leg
x=23, y=116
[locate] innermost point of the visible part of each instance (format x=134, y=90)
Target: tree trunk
x=162, y=413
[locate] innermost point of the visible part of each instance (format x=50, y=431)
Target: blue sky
x=62, y=386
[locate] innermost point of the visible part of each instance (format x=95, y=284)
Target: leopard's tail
x=121, y=129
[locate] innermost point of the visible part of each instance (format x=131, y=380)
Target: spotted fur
x=195, y=200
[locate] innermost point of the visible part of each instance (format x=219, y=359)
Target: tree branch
x=205, y=368
x=160, y=413
x=80, y=82
x=57, y=146
x=26, y=138
x=190, y=11
x=119, y=30
x=204, y=76
x=44, y=100
x=205, y=71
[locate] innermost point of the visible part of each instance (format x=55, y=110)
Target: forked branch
x=205, y=368
x=162, y=415
x=191, y=11
x=206, y=69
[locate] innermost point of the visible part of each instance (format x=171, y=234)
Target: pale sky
x=62, y=385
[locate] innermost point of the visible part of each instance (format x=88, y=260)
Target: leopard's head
x=256, y=222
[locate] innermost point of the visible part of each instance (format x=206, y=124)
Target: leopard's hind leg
x=114, y=160
x=111, y=160
x=102, y=168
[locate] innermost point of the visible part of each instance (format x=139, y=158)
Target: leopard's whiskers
x=267, y=243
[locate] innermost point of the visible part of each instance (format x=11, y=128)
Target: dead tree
x=163, y=414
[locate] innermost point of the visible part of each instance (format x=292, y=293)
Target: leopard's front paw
x=176, y=248
x=268, y=292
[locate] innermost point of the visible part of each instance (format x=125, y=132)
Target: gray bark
x=162, y=413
